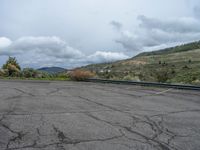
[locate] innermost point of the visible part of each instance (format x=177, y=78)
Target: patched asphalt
x=36, y=115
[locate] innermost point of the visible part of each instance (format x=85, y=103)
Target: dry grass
x=81, y=75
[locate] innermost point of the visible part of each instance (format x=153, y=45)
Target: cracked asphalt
x=36, y=115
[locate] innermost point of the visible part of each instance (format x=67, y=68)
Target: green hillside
x=179, y=48
x=180, y=64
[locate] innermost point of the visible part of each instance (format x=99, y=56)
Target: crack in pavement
x=100, y=104
x=137, y=96
x=154, y=126
x=176, y=112
x=54, y=91
x=13, y=97
x=148, y=140
x=63, y=140
x=118, y=92
x=149, y=130
x=53, y=113
x=18, y=135
x=24, y=92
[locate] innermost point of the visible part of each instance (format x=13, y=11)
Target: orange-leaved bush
x=81, y=75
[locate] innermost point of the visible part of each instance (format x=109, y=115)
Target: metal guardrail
x=154, y=84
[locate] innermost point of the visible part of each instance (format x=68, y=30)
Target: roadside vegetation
x=12, y=70
x=81, y=75
x=180, y=64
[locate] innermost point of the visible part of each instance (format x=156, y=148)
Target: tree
x=12, y=67
x=12, y=61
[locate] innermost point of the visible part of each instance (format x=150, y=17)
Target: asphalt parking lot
x=37, y=115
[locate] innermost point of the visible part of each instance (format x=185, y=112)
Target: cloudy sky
x=70, y=33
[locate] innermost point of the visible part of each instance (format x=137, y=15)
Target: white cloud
x=102, y=56
x=52, y=51
x=4, y=42
x=50, y=46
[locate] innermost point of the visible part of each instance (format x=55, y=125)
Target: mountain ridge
x=52, y=70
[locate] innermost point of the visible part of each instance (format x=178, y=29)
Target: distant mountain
x=179, y=64
x=52, y=70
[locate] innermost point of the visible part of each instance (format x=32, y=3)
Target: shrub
x=29, y=73
x=80, y=75
x=63, y=75
x=133, y=78
x=185, y=67
x=2, y=73
x=162, y=75
x=13, y=70
x=42, y=74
